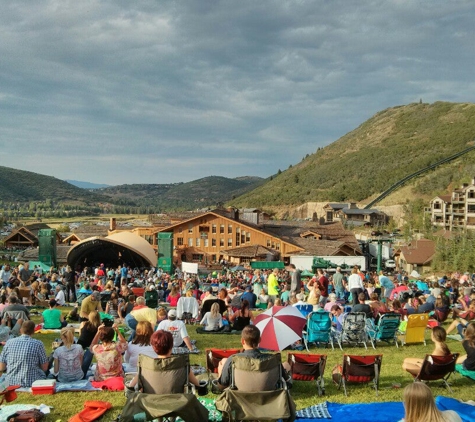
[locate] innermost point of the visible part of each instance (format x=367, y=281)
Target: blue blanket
x=388, y=411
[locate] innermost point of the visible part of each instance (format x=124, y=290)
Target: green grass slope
x=200, y=193
x=26, y=186
x=389, y=146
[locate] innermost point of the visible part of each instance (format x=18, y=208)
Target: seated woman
x=468, y=360
x=419, y=406
x=241, y=317
x=68, y=358
x=140, y=345
x=113, y=305
x=212, y=320
x=463, y=319
x=52, y=318
x=438, y=336
x=162, y=344
x=88, y=329
x=173, y=296
x=331, y=301
x=108, y=354
x=377, y=306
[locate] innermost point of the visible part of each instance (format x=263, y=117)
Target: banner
x=189, y=267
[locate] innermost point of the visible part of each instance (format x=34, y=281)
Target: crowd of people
x=156, y=307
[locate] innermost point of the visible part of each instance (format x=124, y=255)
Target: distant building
x=349, y=213
x=418, y=255
x=455, y=211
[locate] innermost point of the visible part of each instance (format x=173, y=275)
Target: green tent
x=267, y=265
x=307, y=273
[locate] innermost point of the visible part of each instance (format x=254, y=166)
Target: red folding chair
x=360, y=369
x=435, y=368
x=214, y=356
x=305, y=367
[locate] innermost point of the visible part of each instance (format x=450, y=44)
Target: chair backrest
x=353, y=330
x=163, y=375
x=305, y=310
x=388, y=326
x=257, y=374
x=319, y=327
x=437, y=367
x=306, y=367
x=361, y=368
x=214, y=356
x=416, y=328
x=187, y=304
x=206, y=306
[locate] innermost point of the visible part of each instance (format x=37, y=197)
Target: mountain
x=200, y=193
x=86, y=185
x=25, y=186
x=392, y=144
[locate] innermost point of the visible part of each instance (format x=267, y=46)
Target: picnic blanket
x=466, y=373
x=385, y=411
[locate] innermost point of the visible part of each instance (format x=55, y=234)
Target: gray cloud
x=167, y=91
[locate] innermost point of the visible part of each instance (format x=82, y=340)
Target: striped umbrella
x=280, y=326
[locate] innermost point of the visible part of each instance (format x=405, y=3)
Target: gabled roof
x=419, y=252
x=24, y=232
x=357, y=211
x=335, y=205
x=253, y=251
x=446, y=198
x=85, y=231
x=315, y=247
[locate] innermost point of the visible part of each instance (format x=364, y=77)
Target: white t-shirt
x=60, y=299
x=176, y=328
x=131, y=356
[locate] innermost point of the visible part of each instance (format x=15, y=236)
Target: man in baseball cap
x=177, y=329
x=89, y=304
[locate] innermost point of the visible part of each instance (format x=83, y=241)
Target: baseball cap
x=172, y=313
x=96, y=295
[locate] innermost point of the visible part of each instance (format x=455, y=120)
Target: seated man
x=338, y=318
x=89, y=304
x=15, y=310
x=178, y=330
x=361, y=306
x=250, y=339
x=24, y=358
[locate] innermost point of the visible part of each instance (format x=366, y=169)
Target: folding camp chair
x=214, y=356
x=319, y=325
x=308, y=368
x=305, y=310
x=415, y=329
x=166, y=390
x=187, y=309
x=353, y=330
x=360, y=369
x=386, y=329
x=257, y=391
x=436, y=368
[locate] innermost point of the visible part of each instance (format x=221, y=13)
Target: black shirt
x=469, y=363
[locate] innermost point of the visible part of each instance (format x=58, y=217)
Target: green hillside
x=389, y=146
x=200, y=193
x=25, y=186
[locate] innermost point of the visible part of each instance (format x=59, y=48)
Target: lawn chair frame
x=386, y=330
x=360, y=369
x=308, y=367
x=319, y=329
x=435, y=368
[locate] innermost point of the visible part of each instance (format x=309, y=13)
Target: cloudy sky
x=171, y=91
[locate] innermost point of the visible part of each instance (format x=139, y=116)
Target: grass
x=304, y=393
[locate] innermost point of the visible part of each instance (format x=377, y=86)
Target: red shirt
x=323, y=285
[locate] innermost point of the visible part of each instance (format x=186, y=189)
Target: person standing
x=386, y=284
x=24, y=358
x=338, y=284
x=295, y=279
x=69, y=279
x=355, y=285
x=273, y=285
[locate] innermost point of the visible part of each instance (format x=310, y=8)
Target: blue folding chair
x=305, y=310
x=319, y=325
x=386, y=330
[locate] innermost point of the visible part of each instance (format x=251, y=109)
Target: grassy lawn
x=304, y=393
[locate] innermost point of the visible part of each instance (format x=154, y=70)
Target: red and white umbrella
x=280, y=326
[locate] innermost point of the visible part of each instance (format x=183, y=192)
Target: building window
x=180, y=229
x=437, y=205
x=230, y=241
x=221, y=229
x=273, y=245
x=179, y=241
x=190, y=241
x=248, y=237
x=277, y=246
x=206, y=243
x=268, y=243
x=213, y=228
x=213, y=243
x=230, y=229
x=190, y=228
x=197, y=257
x=221, y=242
x=238, y=238
x=198, y=242
x=213, y=258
